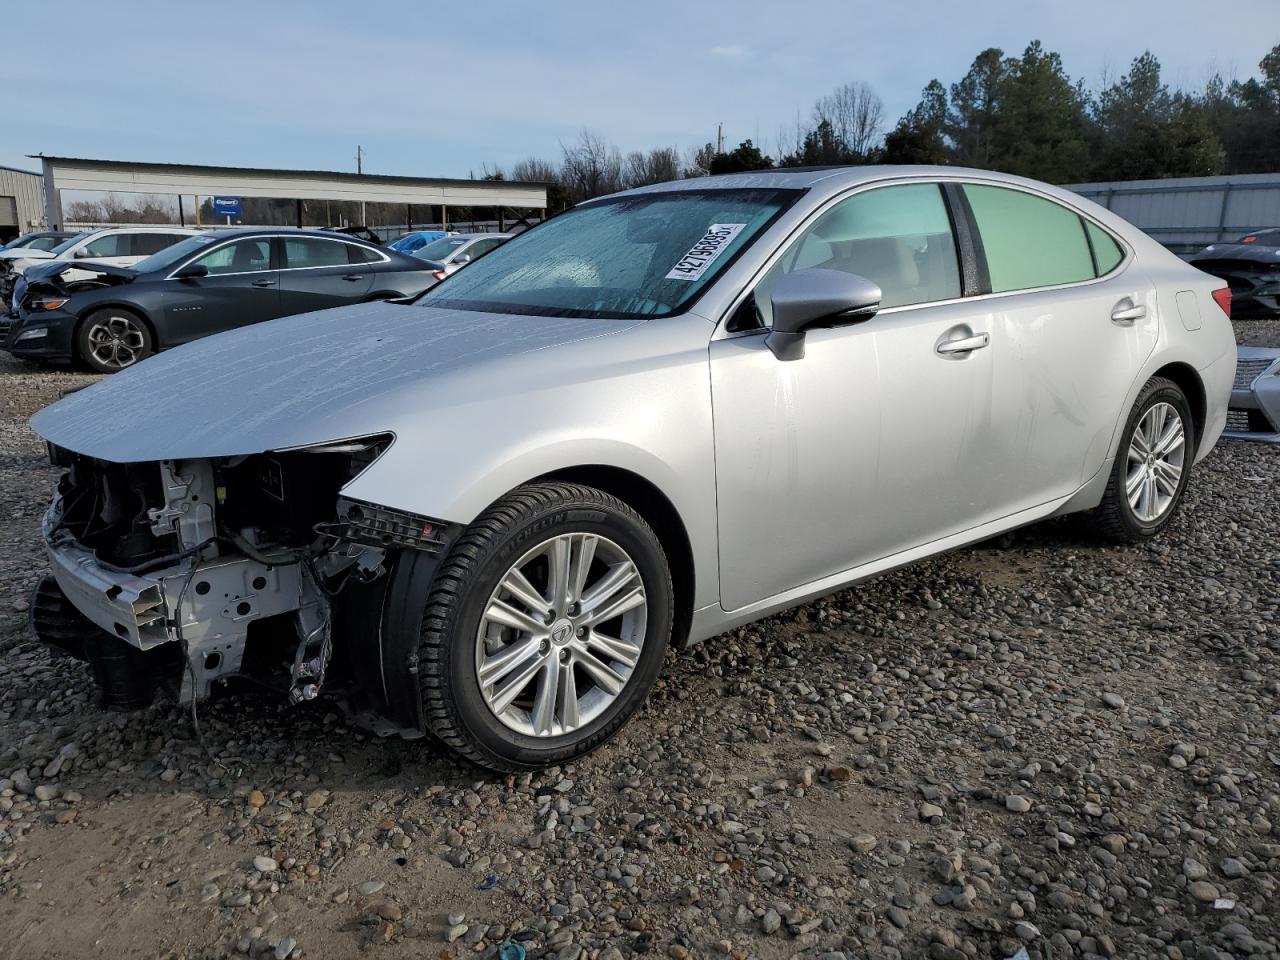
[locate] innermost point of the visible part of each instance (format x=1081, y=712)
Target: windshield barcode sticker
x=704, y=253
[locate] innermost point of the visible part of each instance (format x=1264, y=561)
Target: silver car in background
x=665, y=413
x=448, y=255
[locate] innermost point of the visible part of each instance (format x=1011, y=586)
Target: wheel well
x=126, y=308
x=653, y=505
x=1189, y=382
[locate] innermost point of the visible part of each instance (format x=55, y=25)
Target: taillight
x=440, y=275
x=1222, y=297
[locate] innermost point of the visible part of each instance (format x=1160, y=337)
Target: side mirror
x=191, y=271
x=81, y=253
x=462, y=258
x=804, y=298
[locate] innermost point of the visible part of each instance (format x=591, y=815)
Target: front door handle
x=1126, y=312
x=264, y=283
x=353, y=277
x=963, y=344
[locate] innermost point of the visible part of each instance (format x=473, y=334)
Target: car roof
x=826, y=179
x=478, y=236
x=319, y=232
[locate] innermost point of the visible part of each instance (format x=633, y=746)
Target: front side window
x=111, y=245
x=244, y=256
x=1029, y=241
x=633, y=257
x=900, y=237
x=314, y=252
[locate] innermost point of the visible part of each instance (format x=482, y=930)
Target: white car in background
x=117, y=246
x=448, y=255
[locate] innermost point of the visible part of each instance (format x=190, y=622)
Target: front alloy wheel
x=561, y=635
x=111, y=340
x=544, y=628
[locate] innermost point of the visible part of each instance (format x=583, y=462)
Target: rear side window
x=1106, y=252
x=145, y=244
x=358, y=254
x=1029, y=241
x=314, y=252
x=244, y=256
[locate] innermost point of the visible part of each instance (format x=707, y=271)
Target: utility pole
x=364, y=220
x=719, y=138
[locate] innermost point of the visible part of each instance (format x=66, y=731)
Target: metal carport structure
x=70, y=173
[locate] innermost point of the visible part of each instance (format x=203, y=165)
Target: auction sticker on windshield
x=704, y=253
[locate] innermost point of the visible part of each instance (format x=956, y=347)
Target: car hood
x=23, y=253
x=308, y=379
x=51, y=269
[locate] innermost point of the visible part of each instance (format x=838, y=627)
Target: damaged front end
x=181, y=575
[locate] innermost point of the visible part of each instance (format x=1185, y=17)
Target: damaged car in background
x=107, y=317
x=1251, y=268
x=483, y=516
x=1254, y=410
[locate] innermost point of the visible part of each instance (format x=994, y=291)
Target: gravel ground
x=1042, y=743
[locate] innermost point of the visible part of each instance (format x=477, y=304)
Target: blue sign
x=226, y=206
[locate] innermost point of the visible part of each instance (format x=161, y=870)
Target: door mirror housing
x=81, y=253
x=462, y=258
x=191, y=271
x=806, y=298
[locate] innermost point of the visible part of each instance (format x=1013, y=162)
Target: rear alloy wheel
x=110, y=340
x=1151, y=467
x=545, y=627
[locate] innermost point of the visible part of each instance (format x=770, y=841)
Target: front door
x=242, y=287
x=875, y=440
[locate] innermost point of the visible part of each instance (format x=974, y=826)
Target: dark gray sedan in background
x=206, y=284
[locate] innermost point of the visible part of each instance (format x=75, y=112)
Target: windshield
x=646, y=255
x=441, y=249
x=176, y=253
x=33, y=242
x=67, y=244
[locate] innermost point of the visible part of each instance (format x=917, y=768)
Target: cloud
x=735, y=51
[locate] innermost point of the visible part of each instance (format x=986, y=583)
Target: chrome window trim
x=721, y=333
x=282, y=236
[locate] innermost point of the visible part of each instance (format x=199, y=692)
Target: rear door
x=317, y=272
x=1072, y=320
x=242, y=287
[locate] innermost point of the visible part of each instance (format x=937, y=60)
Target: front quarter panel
x=639, y=401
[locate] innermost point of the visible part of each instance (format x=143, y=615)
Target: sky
x=444, y=89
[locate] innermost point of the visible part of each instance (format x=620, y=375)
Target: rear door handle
x=1126, y=312
x=264, y=283
x=964, y=344
x=354, y=277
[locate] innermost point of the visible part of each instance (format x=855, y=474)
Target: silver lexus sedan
x=485, y=516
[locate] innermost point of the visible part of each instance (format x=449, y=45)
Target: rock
x=1194, y=869
x=455, y=931
x=1203, y=891
x=930, y=811
x=265, y=865
x=284, y=948
x=315, y=800
x=46, y=792
x=771, y=921
x=256, y=799
x=368, y=888
x=1017, y=803
x=1113, y=700
x=1234, y=868
x=863, y=843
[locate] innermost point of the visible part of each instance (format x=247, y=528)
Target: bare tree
x=657, y=166
x=592, y=167
x=535, y=170
x=856, y=114
x=698, y=160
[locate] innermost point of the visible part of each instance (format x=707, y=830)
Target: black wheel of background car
x=1152, y=466
x=110, y=340
x=545, y=627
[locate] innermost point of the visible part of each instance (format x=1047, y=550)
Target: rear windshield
x=646, y=255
